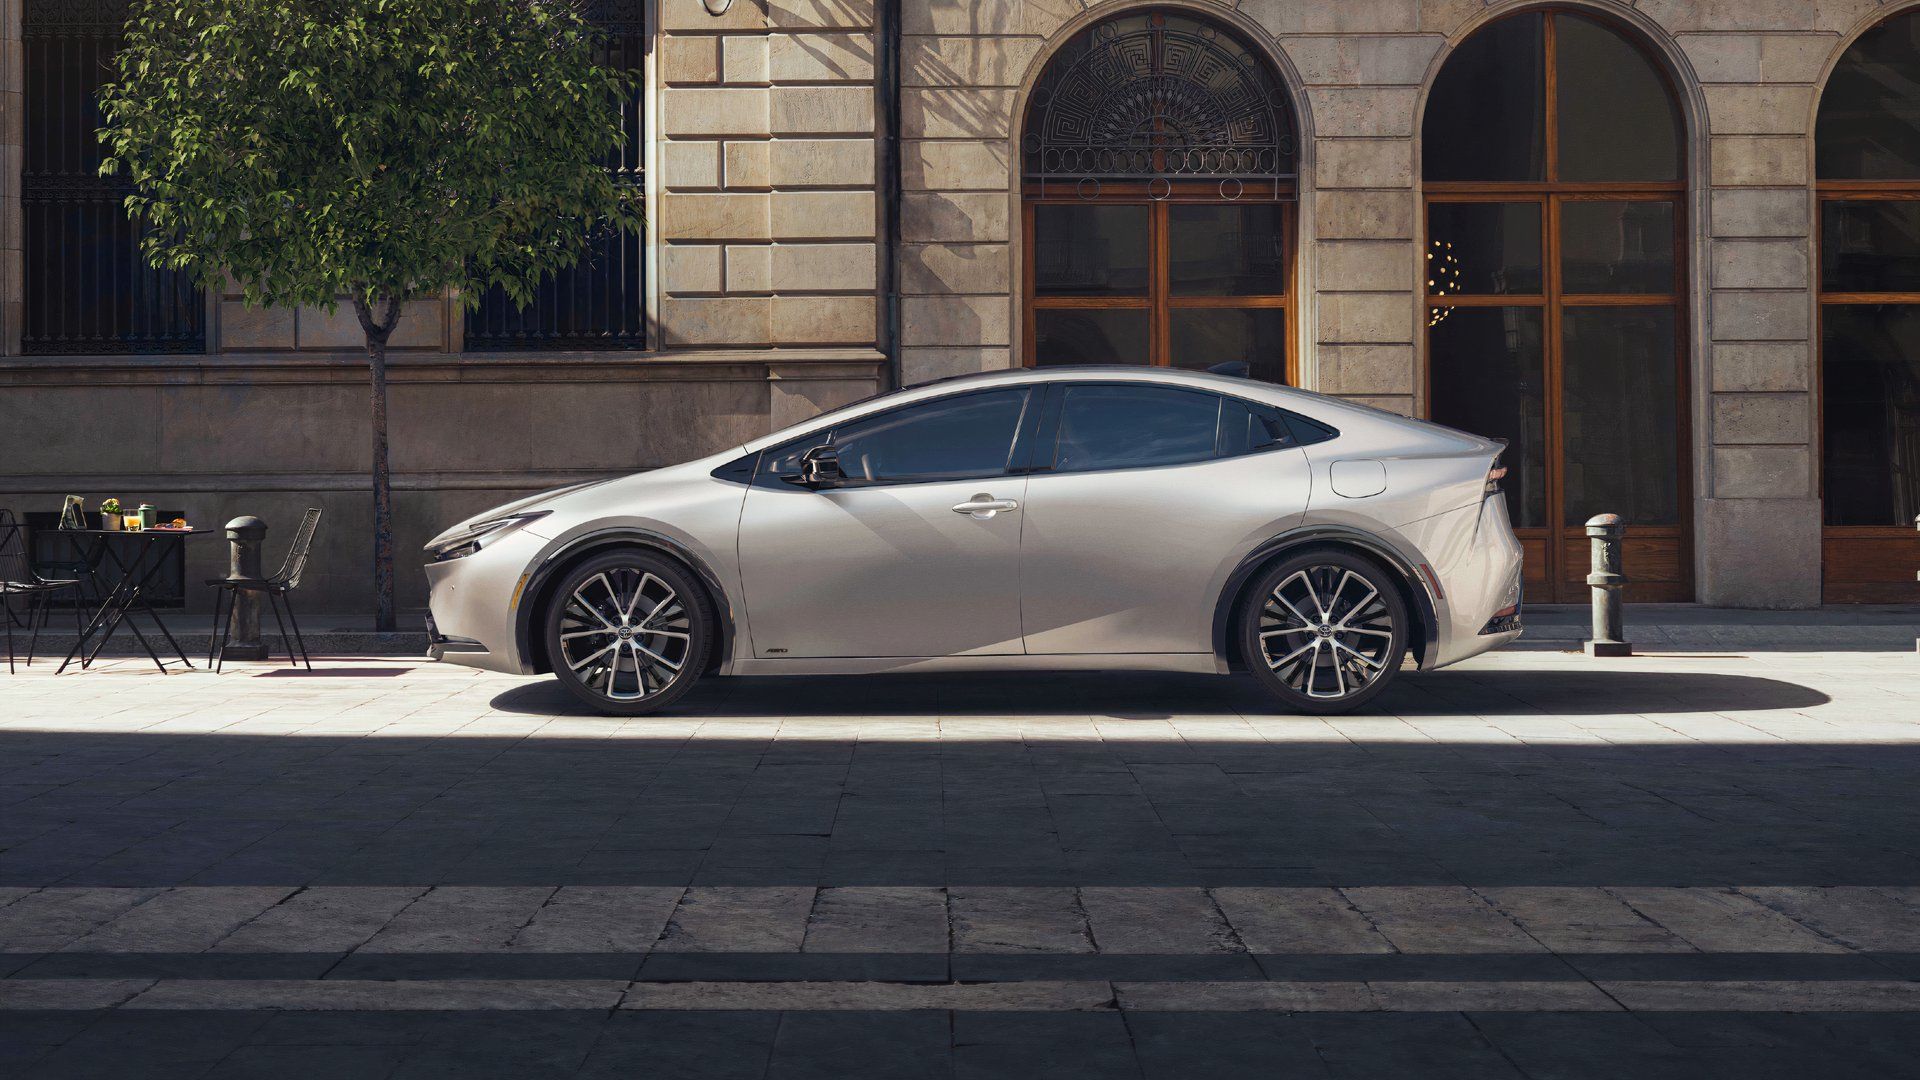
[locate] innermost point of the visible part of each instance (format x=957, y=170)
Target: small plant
x=111, y=506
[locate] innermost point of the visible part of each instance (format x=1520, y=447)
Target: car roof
x=1314, y=406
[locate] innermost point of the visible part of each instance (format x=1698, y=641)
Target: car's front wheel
x=1324, y=631
x=628, y=632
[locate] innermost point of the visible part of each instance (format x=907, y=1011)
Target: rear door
x=1146, y=496
x=916, y=553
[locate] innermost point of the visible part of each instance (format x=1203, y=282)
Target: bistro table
x=150, y=550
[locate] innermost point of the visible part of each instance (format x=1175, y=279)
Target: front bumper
x=472, y=604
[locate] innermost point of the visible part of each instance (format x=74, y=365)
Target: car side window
x=952, y=438
x=1247, y=428
x=1134, y=426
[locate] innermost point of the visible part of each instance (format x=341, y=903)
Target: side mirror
x=820, y=467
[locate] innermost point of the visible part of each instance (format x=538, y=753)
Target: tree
x=371, y=151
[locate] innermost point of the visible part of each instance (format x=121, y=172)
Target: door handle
x=984, y=506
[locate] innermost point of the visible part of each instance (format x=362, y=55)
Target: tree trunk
x=378, y=331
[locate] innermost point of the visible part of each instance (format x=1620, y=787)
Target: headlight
x=464, y=542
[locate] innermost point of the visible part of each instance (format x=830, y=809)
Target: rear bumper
x=1477, y=562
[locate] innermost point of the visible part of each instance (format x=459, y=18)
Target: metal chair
x=18, y=578
x=278, y=589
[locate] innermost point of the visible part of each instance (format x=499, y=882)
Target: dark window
x=1227, y=250
x=1616, y=246
x=1555, y=284
x=87, y=286
x=1486, y=118
x=1133, y=427
x=1247, y=428
x=1870, y=246
x=1870, y=367
x=1091, y=336
x=1618, y=120
x=1483, y=247
x=1869, y=126
x=1089, y=250
x=1489, y=378
x=1619, y=424
x=951, y=438
x=1157, y=184
x=599, y=303
x=1206, y=337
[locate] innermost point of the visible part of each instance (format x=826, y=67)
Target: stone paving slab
x=1532, y=864
x=517, y=995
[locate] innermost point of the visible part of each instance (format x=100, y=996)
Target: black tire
x=669, y=630
x=1328, y=659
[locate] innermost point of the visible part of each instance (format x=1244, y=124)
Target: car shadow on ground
x=1158, y=696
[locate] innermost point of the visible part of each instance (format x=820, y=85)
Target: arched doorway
x=1552, y=153
x=1867, y=169
x=1158, y=183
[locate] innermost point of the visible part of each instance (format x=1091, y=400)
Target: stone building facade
x=842, y=200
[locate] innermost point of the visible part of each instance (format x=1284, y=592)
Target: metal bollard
x=1607, y=578
x=244, y=535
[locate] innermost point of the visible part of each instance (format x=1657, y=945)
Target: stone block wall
x=766, y=135
x=12, y=159
x=1748, y=75
x=765, y=223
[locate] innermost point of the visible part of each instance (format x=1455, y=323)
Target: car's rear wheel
x=628, y=631
x=1324, y=631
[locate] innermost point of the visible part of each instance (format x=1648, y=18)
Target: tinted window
x=1486, y=119
x=952, y=438
x=1869, y=128
x=1246, y=428
x=1130, y=427
x=1617, y=119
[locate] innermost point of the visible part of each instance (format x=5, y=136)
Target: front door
x=915, y=553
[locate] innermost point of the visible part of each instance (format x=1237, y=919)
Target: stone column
x=12, y=160
x=961, y=69
x=1757, y=539
x=1360, y=210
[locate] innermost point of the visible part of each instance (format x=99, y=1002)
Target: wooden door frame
x=1158, y=195
x=1563, y=541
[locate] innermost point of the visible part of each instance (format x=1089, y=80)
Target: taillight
x=1494, y=476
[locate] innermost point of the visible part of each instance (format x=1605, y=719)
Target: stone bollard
x=244, y=535
x=1607, y=578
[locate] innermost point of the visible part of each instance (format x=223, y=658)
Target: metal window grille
x=600, y=302
x=88, y=288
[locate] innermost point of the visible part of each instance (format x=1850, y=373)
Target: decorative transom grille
x=1158, y=98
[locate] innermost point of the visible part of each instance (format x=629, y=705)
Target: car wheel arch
x=539, y=589
x=1238, y=589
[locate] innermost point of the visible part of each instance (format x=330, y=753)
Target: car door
x=1143, y=498
x=915, y=553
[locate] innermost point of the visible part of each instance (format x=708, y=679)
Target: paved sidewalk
x=1534, y=865
x=1653, y=628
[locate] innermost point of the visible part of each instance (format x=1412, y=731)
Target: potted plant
x=110, y=515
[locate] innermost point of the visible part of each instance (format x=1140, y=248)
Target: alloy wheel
x=625, y=634
x=1326, y=632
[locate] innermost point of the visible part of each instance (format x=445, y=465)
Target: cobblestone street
x=1701, y=865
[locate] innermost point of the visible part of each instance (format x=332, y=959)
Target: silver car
x=1076, y=518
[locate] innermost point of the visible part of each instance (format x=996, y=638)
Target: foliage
x=375, y=149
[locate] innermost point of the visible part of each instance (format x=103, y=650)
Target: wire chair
x=278, y=589
x=18, y=578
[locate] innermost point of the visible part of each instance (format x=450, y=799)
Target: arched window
x=1553, y=157
x=1867, y=150
x=1158, y=173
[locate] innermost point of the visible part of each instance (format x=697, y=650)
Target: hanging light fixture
x=1443, y=278
x=716, y=8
